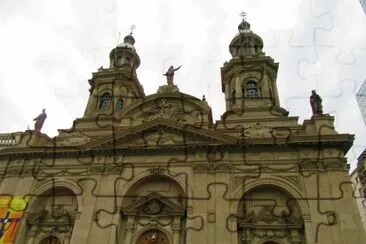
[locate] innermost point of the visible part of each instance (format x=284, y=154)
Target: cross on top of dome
x=243, y=15
x=132, y=27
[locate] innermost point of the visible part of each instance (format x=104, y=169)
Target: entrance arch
x=153, y=236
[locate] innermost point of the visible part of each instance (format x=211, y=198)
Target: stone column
x=233, y=227
x=114, y=228
x=31, y=236
x=130, y=226
x=176, y=226
x=309, y=237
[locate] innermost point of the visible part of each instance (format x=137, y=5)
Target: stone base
x=168, y=89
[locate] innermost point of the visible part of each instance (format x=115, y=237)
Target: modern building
x=358, y=177
x=361, y=100
x=363, y=4
x=156, y=168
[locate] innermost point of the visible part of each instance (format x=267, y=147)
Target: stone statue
x=40, y=120
x=170, y=74
x=316, y=103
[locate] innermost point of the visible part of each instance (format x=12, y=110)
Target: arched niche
x=161, y=184
x=52, y=213
x=49, y=239
x=269, y=211
x=153, y=202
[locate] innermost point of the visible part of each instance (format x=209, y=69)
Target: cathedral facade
x=139, y=168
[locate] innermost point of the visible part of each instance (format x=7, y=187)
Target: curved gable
x=177, y=107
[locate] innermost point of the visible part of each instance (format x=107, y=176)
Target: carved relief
x=169, y=111
x=157, y=171
x=212, y=167
x=257, y=130
x=159, y=137
x=75, y=138
x=211, y=217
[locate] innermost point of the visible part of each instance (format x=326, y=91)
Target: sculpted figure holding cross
x=170, y=74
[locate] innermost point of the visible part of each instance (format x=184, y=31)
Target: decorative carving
x=212, y=167
x=159, y=137
x=75, y=138
x=168, y=111
x=211, y=217
x=52, y=218
x=257, y=130
x=152, y=207
x=157, y=171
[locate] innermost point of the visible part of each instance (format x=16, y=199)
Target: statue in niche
x=170, y=74
x=316, y=103
x=40, y=120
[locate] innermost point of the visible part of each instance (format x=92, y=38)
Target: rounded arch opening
x=105, y=99
x=165, y=186
x=50, y=240
x=268, y=210
x=153, y=235
x=251, y=89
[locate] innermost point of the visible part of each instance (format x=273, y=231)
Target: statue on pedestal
x=40, y=120
x=170, y=74
x=316, y=103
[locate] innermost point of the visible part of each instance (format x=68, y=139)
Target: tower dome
x=246, y=43
x=125, y=55
x=128, y=42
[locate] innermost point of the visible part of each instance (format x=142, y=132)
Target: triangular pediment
x=162, y=133
x=154, y=204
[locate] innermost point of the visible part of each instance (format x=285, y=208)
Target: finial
x=132, y=27
x=243, y=15
x=203, y=98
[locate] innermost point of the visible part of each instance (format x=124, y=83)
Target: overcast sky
x=48, y=50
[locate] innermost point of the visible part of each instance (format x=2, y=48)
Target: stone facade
x=155, y=168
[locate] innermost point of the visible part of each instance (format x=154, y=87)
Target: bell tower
x=113, y=89
x=249, y=79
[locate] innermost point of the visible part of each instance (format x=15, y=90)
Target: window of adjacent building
x=251, y=90
x=119, y=105
x=104, y=101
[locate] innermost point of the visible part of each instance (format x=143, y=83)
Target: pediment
x=154, y=204
x=162, y=133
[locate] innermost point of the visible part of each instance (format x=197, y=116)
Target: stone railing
x=10, y=139
x=7, y=140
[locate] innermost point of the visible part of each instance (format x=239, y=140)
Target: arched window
x=251, y=90
x=104, y=101
x=50, y=240
x=119, y=105
x=127, y=60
